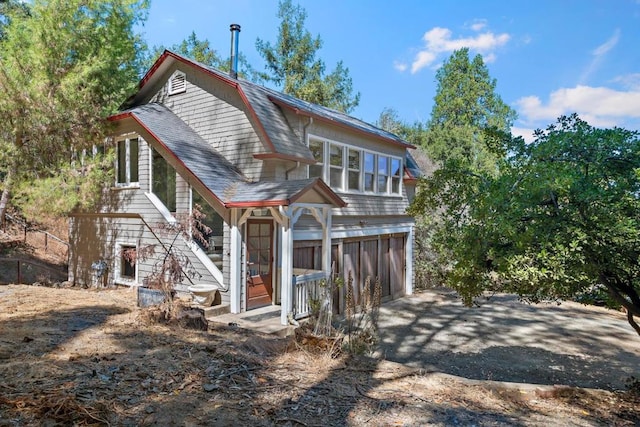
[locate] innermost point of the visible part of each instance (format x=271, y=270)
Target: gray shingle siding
x=216, y=113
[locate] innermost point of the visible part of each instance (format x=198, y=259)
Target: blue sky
x=549, y=57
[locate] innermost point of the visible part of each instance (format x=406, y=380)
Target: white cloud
x=489, y=58
x=525, y=133
x=600, y=106
x=599, y=54
x=422, y=59
x=440, y=40
x=629, y=81
x=479, y=24
x=400, y=66
x=608, y=45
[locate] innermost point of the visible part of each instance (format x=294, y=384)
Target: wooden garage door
x=396, y=266
x=385, y=280
x=369, y=257
x=382, y=257
x=351, y=266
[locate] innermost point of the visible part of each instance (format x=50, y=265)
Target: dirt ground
x=86, y=357
x=504, y=339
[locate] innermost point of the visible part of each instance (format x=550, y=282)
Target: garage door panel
x=396, y=271
x=385, y=280
x=370, y=262
x=352, y=267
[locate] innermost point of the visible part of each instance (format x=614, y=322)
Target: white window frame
x=351, y=170
x=363, y=152
x=330, y=167
x=398, y=176
x=320, y=162
x=385, y=174
x=364, y=172
x=117, y=273
x=127, y=144
x=151, y=176
x=174, y=89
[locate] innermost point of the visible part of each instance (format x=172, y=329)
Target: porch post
x=286, y=298
x=408, y=251
x=235, y=264
x=326, y=241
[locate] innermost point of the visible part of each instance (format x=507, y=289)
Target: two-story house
x=291, y=190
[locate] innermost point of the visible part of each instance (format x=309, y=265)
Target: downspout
x=304, y=136
x=286, y=173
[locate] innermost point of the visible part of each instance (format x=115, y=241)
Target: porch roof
x=284, y=193
x=225, y=182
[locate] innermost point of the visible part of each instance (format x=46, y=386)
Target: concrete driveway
x=505, y=340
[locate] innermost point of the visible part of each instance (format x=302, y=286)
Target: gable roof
x=225, y=182
x=264, y=108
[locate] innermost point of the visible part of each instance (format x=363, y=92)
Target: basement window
x=177, y=83
x=126, y=264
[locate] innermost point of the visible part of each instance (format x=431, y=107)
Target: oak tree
x=560, y=221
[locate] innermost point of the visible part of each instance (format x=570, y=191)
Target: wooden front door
x=259, y=262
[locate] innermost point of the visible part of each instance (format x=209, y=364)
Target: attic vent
x=177, y=83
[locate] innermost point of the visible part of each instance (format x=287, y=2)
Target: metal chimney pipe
x=233, y=61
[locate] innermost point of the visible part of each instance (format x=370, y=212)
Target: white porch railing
x=306, y=286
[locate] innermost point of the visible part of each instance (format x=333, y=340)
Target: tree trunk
x=632, y=322
x=6, y=191
x=626, y=296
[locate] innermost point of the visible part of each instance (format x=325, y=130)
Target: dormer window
x=177, y=83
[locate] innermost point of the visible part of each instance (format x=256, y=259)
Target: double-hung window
x=369, y=171
x=127, y=163
x=336, y=166
x=317, y=149
x=383, y=174
x=396, y=171
x=354, y=182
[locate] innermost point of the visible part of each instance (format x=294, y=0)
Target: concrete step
x=216, y=310
x=265, y=320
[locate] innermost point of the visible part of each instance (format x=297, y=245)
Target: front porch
x=267, y=319
x=287, y=288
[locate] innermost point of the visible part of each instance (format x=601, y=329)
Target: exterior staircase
x=214, y=252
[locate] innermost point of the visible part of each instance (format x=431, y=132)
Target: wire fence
x=18, y=267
